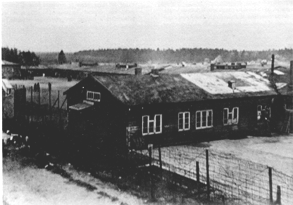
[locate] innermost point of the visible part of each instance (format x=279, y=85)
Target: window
x=151, y=126
x=230, y=116
x=183, y=121
x=204, y=119
x=95, y=96
x=263, y=112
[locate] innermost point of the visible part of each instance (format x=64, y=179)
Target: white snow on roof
x=279, y=72
x=281, y=85
x=6, y=85
x=209, y=83
x=263, y=74
x=4, y=62
x=217, y=82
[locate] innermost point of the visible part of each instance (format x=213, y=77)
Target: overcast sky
x=73, y=26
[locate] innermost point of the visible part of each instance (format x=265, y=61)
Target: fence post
x=150, y=154
x=208, y=175
x=270, y=185
x=160, y=157
x=197, y=178
x=31, y=108
x=39, y=98
x=31, y=94
x=59, y=108
x=150, y=147
x=49, y=88
x=278, y=200
x=58, y=98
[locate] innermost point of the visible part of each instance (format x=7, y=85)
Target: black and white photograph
x=150, y=102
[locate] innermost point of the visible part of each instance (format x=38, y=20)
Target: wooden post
x=278, y=200
x=272, y=66
x=39, y=98
x=197, y=178
x=290, y=87
x=58, y=98
x=160, y=157
x=59, y=108
x=40, y=116
x=150, y=155
x=31, y=94
x=208, y=175
x=150, y=147
x=49, y=88
x=270, y=184
x=31, y=108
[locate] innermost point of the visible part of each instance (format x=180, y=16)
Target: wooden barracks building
x=130, y=112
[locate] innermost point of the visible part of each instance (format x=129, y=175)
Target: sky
x=49, y=26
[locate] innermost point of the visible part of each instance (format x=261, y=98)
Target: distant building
x=130, y=112
x=87, y=64
x=10, y=70
x=126, y=65
x=228, y=66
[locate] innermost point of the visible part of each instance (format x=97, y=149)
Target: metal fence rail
x=237, y=180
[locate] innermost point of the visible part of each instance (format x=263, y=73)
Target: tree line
x=136, y=55
x=25, y=58
x=190, y=55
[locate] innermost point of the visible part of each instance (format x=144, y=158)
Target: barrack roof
x=151, y=89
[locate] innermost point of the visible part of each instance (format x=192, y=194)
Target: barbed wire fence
x=227, y=178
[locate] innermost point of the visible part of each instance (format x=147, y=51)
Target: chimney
x=155, y=71
x=138, y=71
x=212, y=66
x=273, y=62
x=231, y=84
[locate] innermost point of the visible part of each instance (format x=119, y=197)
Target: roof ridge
x=94, y=77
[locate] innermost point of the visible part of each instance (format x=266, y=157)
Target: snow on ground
x=276, y=152
x=32, y=186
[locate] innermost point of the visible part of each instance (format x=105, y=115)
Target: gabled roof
x=148, y=89
x=4, y=62
x=6, y=85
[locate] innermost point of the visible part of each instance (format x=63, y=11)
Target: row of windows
x=204, y=119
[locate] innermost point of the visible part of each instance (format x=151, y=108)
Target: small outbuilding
x=10, y=70
x=6, y=88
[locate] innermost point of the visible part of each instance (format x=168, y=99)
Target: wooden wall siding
x=102, y=125
x=110, y=123
x=79, y=94
x=246, y=124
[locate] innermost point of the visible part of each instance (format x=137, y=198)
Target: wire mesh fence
x=235, y=180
